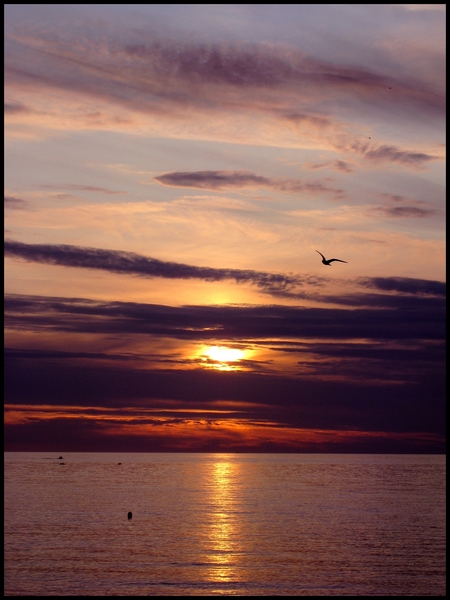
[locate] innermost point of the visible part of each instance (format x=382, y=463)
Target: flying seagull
x=327, y=262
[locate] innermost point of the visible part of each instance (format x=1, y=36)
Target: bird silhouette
x=327, y=262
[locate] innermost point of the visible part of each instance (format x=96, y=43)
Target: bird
x=327, y=262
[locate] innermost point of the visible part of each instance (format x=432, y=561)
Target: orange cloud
x=142, y=430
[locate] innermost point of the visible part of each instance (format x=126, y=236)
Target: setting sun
x=223, y=354
x=223, y=358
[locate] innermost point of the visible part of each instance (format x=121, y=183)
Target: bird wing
x=337, y=259
x=321, y=254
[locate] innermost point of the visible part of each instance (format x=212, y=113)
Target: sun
x=223, y=356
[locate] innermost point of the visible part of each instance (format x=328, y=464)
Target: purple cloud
x=82, y=188
x=130, y=263
x=15, y=107
x=14, y=203
x=418, y=317
x=220, y=180
x=394, y=154
x=405, y=211
x=157, y=74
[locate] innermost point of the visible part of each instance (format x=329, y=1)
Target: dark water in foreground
x=224, y=524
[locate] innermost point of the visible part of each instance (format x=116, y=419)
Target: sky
x=172, y=173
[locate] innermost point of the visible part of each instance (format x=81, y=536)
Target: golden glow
x=222, y=357
x=223, y=354
x=223, y=532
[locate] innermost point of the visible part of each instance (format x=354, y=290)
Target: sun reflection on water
x=223, y=534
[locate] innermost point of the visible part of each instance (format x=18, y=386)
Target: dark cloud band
x=414, y=293
x=228, y=322
x=220, y=180
x=116, y=261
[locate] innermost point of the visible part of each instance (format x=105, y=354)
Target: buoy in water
x=130, y=515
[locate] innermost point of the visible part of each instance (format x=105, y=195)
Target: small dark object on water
x=119, y=463
x=60, y=457
x=130, y=515
x=62, y=463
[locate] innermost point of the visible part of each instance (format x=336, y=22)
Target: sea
x=224, y=524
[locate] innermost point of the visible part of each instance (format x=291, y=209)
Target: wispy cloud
x=82, y=188
x=14, y=203
x=343, y=166
x=15, y=107
x=395, y=154
x=220, y=180
x=270, y=87
x=404, y=211
x=338, y=165
x=130, y=263
x=409, y=207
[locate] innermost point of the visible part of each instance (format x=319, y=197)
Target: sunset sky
x=171, y=172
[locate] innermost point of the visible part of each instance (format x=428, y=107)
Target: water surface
x=224, y=524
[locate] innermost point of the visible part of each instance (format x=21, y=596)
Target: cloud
x=404, y=211
x=438, y=7
x=247, y=93
x=394, y=197
x=421, y=318
x=193, y=66
x=14, y=203
x=373, y=361
x=394, y=154
x=374, y=350
x=405, y=285
x=341, y=165
x=412, y=210
x=130, y=402
x=337, y=165
x=15, y=353
x=219, y=180
x=82, y=188
x=276, y=284
x=15, y=107
x=75, y=429
x=130, y=263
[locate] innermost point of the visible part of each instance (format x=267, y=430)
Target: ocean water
x=224, y=524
